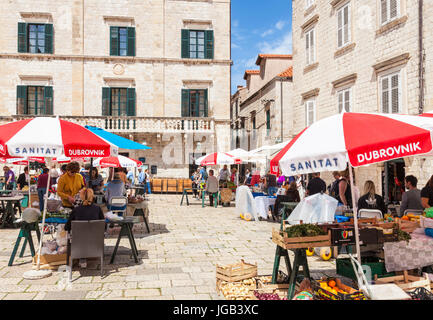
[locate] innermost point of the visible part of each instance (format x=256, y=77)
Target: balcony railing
x=135, y=124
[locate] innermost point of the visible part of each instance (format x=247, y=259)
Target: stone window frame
x=342, y=91
x=339, y=8
x=389, y=20
x=389, y=74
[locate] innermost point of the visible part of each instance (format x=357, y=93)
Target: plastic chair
x=415, y=212
x=370, y=213
x=378, y=291
x=87, y=241
x=118, y=205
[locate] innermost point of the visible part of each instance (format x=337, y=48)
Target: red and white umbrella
x=21, y=161
x=217, y=158
x=358, y=138
x=117, y=162
x=50, y=138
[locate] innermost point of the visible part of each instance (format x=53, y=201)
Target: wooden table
x=126, y=230
x=8, y=216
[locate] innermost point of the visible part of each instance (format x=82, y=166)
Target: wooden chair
x=164, y=186
x=156, y=185
x=179, y=186
x=187, y=184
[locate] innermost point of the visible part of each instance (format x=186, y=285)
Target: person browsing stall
x=115, y=188
x=411, y=199
x=70, y=184
x=271, y=183
x=427, y=194
x=96, y=180
x=212, y=187
x=9, y=178
x=316, y=185
x=224, y=174
x=42, y=187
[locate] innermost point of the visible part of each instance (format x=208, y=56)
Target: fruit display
x=332, y=287
x=236, y=290
x=304, y=230
x=267, y=296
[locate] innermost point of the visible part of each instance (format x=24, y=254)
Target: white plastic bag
x=245, y=202
x=61, y=236
x=113, y=217
x=318, y=208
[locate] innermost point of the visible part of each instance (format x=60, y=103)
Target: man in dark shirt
x=316, y=185
x=271, y=183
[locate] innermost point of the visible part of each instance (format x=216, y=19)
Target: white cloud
x=279, y=46
x=280, y=24
x=235, y=23
x=267, y=33
x=235, y=46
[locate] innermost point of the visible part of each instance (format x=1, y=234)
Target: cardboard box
x=342, y=236
x=51, y=260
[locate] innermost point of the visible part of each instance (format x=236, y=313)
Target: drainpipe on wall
x=421, y=56
x=281, y=102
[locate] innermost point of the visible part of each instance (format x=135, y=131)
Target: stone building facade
x=363, y=56
x=153, y=71
x=262, y=110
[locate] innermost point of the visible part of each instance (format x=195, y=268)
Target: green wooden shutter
x=22, y=37
x=185, y=103
x=130, y=107
x=206, y=111
x=48, y=38
x=22, y=100
x=114, y=41
x=131, y=42
x=48, y=99
x=209, y=44
x=185, y=43
x=106, y=99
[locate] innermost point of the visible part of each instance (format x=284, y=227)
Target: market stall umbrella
x=217, y=158
x=49, y=138
x=117, y=162
x=358, y=139
x=120, y=142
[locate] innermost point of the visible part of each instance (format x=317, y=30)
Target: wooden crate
x=281, y=239
x=411, y=282
x=50, y=261
x=236, y=272
x=408, y=226
x=252, y=285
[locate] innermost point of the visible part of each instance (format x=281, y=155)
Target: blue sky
x=258, y=27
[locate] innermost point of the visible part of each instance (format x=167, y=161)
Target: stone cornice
x=311, y=67
x=391, y=63
x=310, y=10
x=118, y=18
x=112, y=59
x=310, y=22
x=336, y=3
x=390, y=25
x=35, y=77
x=309, y=94
x=344, y=49
x=192, y=21
x=345, y=80
x=36, y=15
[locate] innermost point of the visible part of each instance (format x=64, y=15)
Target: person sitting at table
x=23, y=179
x=70, y=184
x=115, y=188
x=212, y=186
x=96, y=181
x=293, y=193
x=271, y=183
x=85, y=212
x=371, y=200
x=411, y=199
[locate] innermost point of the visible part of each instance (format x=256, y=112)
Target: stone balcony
x=136, y=124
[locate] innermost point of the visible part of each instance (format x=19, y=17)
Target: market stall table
x=8, y=215
x=263, y=204
x=126, y=225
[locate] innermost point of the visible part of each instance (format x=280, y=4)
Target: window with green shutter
x=194, y=103
x=122, y=41
x=35, y=37
x=197, y=44
x=35, y=100
x=119, y=102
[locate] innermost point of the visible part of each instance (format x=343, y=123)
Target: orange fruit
x=332, y=284
x=405, y=218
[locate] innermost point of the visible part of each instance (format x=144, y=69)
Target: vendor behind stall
x=96, y=181
x=69, y=184
x=23, y=179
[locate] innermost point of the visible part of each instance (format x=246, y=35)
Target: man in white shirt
x=224, y=175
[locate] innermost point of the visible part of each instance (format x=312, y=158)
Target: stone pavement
x=177, y=260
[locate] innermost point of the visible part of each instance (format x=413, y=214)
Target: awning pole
x=355, y=214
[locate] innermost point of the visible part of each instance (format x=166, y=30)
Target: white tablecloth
x=263, y=204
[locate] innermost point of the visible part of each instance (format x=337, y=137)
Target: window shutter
x=206, y=110
x=48, y=38
x=131, y=42
x=48, y=99
x=130, y=109
x=185, y=43
x=22, y=37
x=340, y=102
x=346, y=24
x=385, y=96
x=22, y=100
x=312, y=51
x=185, y=103
x=114, y=41
x=347, y=100
x=395, y=93
x=340, y=28
x=106, y=98
x=384, y=10
x=307, y=47
x=393, y=9
x=209, y=44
